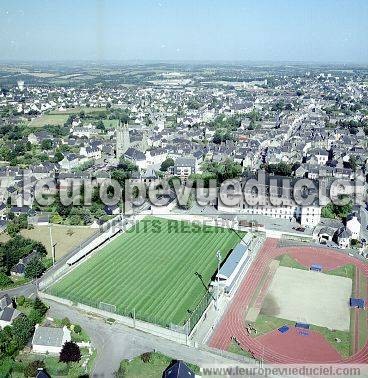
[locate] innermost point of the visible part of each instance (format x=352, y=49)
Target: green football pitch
x=160, y=270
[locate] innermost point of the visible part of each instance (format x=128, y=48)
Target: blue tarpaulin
x=316, y=267
x=302, y=325
x=283, y=329
x=357, y=302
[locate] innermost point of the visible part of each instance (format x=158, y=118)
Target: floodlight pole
x=52, y=247
x=218, y=255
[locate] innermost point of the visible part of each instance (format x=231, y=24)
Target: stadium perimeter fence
x=185, y=329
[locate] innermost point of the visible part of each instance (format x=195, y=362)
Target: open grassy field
x=76, y=110
x=161, y=269
x=49, y=119
x=289, y=262
x=65, y=237
x=347, y=271
x=110, y=123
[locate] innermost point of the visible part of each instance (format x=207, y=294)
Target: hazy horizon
x=329, y=32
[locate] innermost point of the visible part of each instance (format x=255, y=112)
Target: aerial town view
x=183, y=188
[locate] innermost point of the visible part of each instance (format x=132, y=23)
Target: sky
x=325, y=31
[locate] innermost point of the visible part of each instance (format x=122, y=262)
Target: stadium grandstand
x=234, y=265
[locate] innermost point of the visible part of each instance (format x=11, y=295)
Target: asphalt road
x=26, y=290
x=117, y=342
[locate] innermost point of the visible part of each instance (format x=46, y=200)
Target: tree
x=224, y=171
x=282, y=169
x=327, y=211
x=56, y=218
x=217, y=138
x=35, y=317
x=6, y=365
x=40, y=306
x=4, y=280
x=146, y=357
x=169, y=162
x=332, y=210
x=32, y=367
x=127, y=165
x=22, y=330
x=20, y=300
x=66, y=322
x=46, y=144
x=70, y=352
x=34, y=268
x=353, y=162
x=58, y=156
x=18, y=247
x=75, y=220
x=77, y=328
x=100, y=125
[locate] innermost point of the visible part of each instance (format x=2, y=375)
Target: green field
x=110, y=123
x=289, y=262
x=161, y=269
x=49, y=119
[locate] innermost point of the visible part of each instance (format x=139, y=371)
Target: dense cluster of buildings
x=313, y=123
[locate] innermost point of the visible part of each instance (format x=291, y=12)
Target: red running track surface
x=294, y=348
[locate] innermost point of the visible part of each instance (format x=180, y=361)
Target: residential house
x=184, y=167
x=178, y=370
x=19, y=269
x=49, y=340
x=7, y=312
x=354, y=226
x=137, y=157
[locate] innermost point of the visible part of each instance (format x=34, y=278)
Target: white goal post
x=107, y=307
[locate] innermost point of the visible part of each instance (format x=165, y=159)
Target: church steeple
x=122, y=139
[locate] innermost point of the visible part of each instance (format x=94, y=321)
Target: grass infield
x=161, y=269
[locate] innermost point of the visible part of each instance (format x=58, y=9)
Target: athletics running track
x=290, y=347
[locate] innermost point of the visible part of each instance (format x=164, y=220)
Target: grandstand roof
x=233, y=259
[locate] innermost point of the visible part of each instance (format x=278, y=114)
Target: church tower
x=122, y=139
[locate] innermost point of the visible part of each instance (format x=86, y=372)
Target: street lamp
x=219, y=258
x=52, y=246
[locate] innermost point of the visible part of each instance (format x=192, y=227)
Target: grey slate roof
x=5, y=301
x=48, y=336
x=179, y=370
x=134, y=154
x=8, y=314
